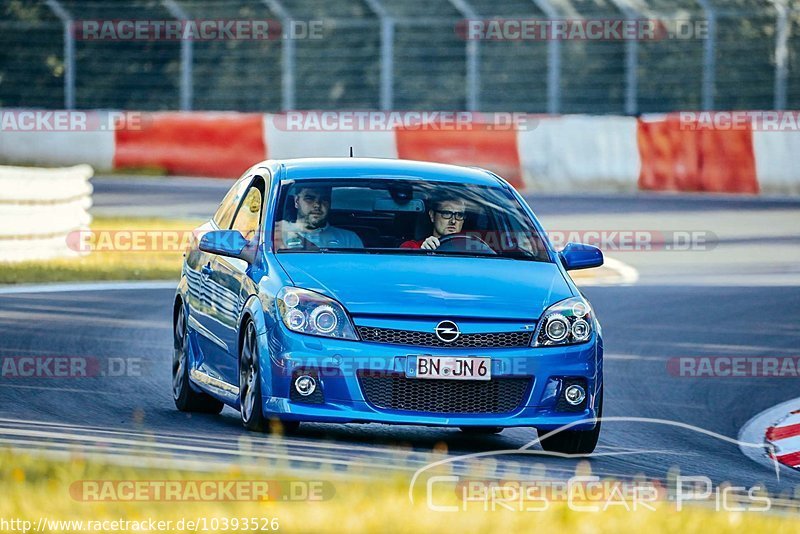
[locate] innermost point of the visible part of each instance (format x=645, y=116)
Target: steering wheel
x=464, y=243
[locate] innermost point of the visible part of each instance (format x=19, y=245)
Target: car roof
x=378, y=168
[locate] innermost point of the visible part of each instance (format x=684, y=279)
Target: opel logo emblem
x=447, y=331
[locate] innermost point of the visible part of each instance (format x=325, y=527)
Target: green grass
x=105, y=263
x=34, y=487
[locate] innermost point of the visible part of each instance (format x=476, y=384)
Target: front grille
x=396, y=392
x=429, y=339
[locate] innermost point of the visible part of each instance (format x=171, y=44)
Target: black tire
x=481, y=430
x=186, y=399
x=574, y=441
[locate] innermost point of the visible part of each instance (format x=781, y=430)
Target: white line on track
x=66, y=390
x=149, y=445
x=205, y=438
x=86, y=286
x=192, y=182
x=612, y=356
x=244, y=443
x=245, y=452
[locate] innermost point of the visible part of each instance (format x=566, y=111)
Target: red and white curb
x=785, y=436
x=779, y=429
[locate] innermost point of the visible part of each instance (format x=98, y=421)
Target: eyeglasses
x=447, y=214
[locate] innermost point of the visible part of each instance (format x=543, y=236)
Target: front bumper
x=337, y=364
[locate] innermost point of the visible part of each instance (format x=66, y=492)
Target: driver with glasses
x=447, y=215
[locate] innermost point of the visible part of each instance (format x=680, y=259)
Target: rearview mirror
x=579, y=256
x=230, y=243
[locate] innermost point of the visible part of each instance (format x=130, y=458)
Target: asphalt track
x=737, y=296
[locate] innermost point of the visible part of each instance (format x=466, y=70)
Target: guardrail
x=747, y=152
x=39, y=208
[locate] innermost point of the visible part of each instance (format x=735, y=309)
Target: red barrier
x=682, y=156
x=200, y=144
x=495, y=150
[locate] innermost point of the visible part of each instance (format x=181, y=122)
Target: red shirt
x=412, y=244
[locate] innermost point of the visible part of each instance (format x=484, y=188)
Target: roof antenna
x=351, y=152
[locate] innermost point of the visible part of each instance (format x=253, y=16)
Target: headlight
x=310, y=313
x=565, y=323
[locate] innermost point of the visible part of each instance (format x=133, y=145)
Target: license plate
x=450, y=368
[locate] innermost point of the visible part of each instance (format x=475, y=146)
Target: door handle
x=206, y=271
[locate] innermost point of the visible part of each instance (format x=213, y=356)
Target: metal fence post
x=781, y=53
x=287, y=85
x=473, y=80
x=187, y=55
x=287, y=54
x=709, y=59
x=553, y=61
x=631, y=62
x=69, y=52
x=387, y=54
x=631, y=76
x=387, y=64
x=473, y=75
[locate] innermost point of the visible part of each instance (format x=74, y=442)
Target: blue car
x=386, y=291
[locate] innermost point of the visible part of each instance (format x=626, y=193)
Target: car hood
x=416, y=285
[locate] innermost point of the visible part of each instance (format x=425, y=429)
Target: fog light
x=306, y=385
x=574, y=394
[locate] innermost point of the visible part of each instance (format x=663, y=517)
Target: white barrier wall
x=283, y=142
x=776, y=161
x=580, y=153
x=39, y=208
x=59, y=138
x=553, y=153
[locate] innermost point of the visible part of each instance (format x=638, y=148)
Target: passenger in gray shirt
x=313, y=205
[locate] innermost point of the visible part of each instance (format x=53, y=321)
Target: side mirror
x=230, y=243
x=579, y=256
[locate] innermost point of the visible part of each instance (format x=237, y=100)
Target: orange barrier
x=199, y=144
x=495, y=150
x=682, y=156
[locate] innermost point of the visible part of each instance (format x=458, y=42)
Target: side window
x=228, y=205
x=249, y=214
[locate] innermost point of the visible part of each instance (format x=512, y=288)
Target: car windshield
x=399, y=216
